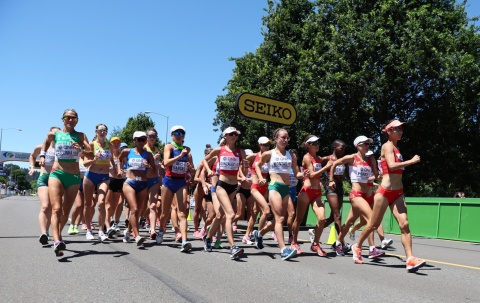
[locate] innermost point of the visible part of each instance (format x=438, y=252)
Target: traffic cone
x=189, y=218
x=332, y=237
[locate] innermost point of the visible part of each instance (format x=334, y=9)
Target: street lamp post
x=1, y=134
x=166, y=131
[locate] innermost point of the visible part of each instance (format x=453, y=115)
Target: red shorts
x=390, y=194
x=312, y=194
x=261, y=188
x=357, y=193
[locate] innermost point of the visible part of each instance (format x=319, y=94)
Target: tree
x=348, y=66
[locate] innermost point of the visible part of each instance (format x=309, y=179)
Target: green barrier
x=441, y=218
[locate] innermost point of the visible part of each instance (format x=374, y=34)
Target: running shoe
x=84, y=226
x=224, y=234
x=258, y=239
x=413, y=264
x=111, y=232
x=58, y=248
x=126, y=236
x=347, y=248
x=126, y=222
x=375, y=253
x=142, y=223
x=338, y=249
x=186, y=247
x=296, y=246
x=89, y=235
x=159, y=238
x=214, y=239
x=311, y=234
x=102, y=236
x=75, y=229
x=288, y=253
x=43, y=239
x=234, y=228
x=246, y=240
x=92, y=227
x=386, y=243
x=218, y=244
x=202, y=233
x=274, y=236
x=147, y=224
x=316, y=248
x=153, y=234
x=207, y=243
x=70, y=230
x=195, y=234
x=290, y=240
x=235, y=252
x=351, y=234
x=115, y=226
x=178, y=237
x=357, y=254
x=139, y=240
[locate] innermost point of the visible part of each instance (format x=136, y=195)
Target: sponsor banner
x=3, y=173
x=14, y=156
x=265, y=109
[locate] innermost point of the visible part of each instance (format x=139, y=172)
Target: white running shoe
x=351, y=234
x=126, y=236
x=102, y=236
x=386, y=243
x=311, y=234
x=89, y=235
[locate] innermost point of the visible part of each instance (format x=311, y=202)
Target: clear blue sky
x=111, y=60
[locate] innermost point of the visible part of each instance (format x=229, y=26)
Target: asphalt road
x=120, y=272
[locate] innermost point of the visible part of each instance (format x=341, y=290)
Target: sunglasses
x=70, y=118
x=152, y=136
x=102, y=130
x=232, y=134
x=397, y=128
x=365, y=143
x=265, y=145
x=178, y=134
x=314, y=143
x=141, y=139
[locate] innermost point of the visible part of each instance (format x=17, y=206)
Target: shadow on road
x=83, y=253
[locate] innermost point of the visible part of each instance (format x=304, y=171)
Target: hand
x=332, y=185
x=262, y=182
x=306, y=173
x=31, y=171
x=41, y=161
x=76, y=146
x=415, y=159
x=184, y=152
x=156, y=156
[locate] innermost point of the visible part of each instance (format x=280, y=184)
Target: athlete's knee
x=404, y=226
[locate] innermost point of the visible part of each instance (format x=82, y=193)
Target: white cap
x=313, y=139
x=230, y=130
x=139, y=134
x=123, y=144
x=264, y=140
x=177, y=127
x=361, y=139
x=369, y=153
x=248, y=152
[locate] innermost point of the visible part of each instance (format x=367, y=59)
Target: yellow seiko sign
x=265, y=109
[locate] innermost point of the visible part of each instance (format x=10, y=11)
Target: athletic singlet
x=263, y=169
x=316, y=167
x=49, y=158
x=229, y=161
x=179, y=168
x=82, y=167
x=64, y=150
x=103, y=154
x=293, y=179
x=398, y=158
x=280, y=164
x=135, y=162
x=360, y=171
x=339, y=169
x=153, y=152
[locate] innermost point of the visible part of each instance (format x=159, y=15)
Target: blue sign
x=3, y=173
x=1, y=165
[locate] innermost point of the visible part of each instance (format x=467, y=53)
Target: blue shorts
x=96, y=178
x=81, y=185
x=138, y=186
x=152, y=181
x=174, y=184
x=293, y=193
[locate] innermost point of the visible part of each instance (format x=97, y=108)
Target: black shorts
x=245, y=192
x=116, y=185
x=229, y=188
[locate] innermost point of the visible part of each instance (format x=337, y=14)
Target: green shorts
x=67, y=179
x=283, y=189
x=43, y=180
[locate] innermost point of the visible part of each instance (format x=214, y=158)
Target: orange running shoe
x=296, y=246
x=316, y=248
x=413, y=264
x=357, y=254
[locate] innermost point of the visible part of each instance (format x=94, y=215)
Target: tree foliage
x=348, y=66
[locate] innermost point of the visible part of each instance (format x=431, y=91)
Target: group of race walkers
x=152, y=186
